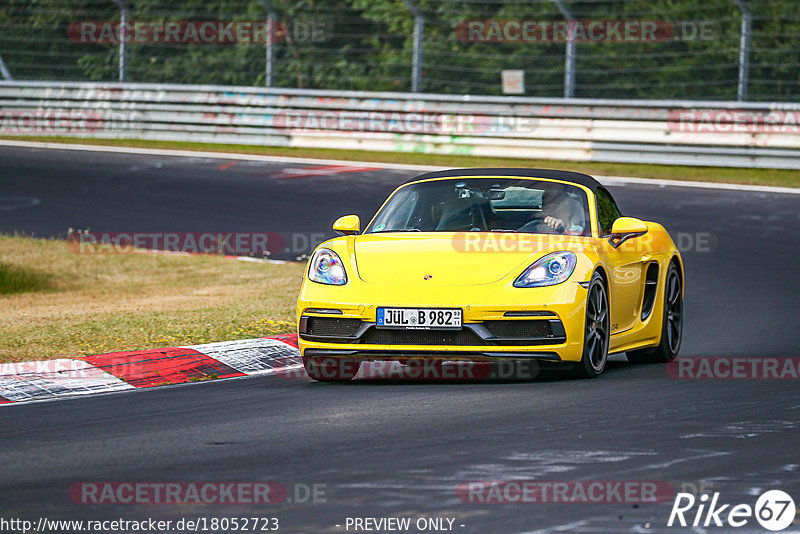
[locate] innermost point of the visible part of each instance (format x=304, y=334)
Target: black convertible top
x=564, y=176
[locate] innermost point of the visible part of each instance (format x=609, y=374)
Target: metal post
x=123, y=20
x=571, y=51
x=744, y=51
x=269, y=69
x=419, y=32
x=4, y=71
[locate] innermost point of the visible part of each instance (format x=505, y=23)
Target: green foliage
x=367, y=45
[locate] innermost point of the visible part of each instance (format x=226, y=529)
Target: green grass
x=55, y=302
x=15, y=279
x=776, y=177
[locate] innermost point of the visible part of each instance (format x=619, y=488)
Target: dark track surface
x=400, y=449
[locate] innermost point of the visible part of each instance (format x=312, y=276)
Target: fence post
x=744, y=51
x=419, y=32
x=4, y=71
x=269, y=68
x=569, y=58
x=123, y=20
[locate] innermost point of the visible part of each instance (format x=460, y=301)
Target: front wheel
x=596, y=332
x=671, y=327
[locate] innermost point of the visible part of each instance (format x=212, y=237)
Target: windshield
x=486, y=205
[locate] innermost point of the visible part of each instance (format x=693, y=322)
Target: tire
x=325, y=369
x=671, y=324
x=596, y=332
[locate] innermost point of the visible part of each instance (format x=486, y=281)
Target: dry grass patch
x=54, y=302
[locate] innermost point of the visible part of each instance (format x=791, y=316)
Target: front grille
x=501, y=332
x=519, y=329
x=375, y=336
x=464, y=338
x=331, y=326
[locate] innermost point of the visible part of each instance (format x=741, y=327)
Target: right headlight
x=326, y=267
x=548, y=270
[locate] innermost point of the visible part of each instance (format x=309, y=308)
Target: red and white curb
x=119, y=371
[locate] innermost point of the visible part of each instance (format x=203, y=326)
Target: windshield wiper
x=398, y=230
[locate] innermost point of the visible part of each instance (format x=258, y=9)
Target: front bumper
x=499, y=323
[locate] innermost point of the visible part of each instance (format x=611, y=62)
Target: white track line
x=610, y=180
x=622, y=180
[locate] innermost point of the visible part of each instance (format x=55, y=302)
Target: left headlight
x=548, y=270
x=326, y=267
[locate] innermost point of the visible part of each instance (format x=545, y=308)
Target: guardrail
x=732, y=134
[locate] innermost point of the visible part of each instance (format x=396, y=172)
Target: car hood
x=458, y=258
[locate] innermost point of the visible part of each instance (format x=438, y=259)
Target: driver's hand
x=554, y=223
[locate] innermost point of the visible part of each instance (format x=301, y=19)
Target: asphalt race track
x=378, y=448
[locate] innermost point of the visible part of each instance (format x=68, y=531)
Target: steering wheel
x=540, y=227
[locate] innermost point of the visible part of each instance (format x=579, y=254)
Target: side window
x=607, y=211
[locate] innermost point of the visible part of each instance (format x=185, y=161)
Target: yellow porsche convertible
x=492, y=265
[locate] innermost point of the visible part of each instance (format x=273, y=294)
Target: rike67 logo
x=774, y=510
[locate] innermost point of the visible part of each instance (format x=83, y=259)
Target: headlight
x=548, y=270
x=326, y=267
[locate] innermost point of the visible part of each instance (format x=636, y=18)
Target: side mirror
x=626, y=228
x=347, y=225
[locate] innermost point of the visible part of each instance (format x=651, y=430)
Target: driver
x=560, y=212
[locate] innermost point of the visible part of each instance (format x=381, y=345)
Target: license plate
x=419, y=318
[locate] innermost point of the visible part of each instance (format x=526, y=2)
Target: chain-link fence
x=659, y=49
